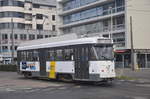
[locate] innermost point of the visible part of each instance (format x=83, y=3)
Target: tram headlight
x=102, y=70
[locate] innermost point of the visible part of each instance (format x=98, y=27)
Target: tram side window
x=92, y=54
x=51, y=55
x=59, y=55
x=35, y=56
x=29, y=56
x=23, y=55
x=32, y=56
x=68, y=54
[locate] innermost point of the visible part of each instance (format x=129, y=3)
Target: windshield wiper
x=106, y=57
x=95, y=52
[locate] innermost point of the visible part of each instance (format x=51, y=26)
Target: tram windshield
x=102, y=52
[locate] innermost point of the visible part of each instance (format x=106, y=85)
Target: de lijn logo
x=24, y=65
x=30, y=66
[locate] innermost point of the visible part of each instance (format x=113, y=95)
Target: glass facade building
x=11, y=14
x=71, y=4
x=100, y=10
x=82, y=11
x=90, y=13
x=11, y=3
x=10, y=25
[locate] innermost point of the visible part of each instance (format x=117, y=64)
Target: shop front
x=123, y=58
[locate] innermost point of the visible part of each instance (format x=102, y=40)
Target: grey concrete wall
x=139, y=74
x=139, y=10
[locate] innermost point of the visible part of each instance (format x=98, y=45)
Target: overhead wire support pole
x=0, y=42
x=111, y=23
x=12, y=41
x=132, y=46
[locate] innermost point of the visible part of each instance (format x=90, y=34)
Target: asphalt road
x=13, y=86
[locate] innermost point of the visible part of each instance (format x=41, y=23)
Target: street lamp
x=45, y=17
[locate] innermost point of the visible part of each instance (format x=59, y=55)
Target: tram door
x=42, y=59
x=81, y=63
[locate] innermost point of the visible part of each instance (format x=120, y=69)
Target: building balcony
x=98, y=17
x=114, y=28
x=9, y=42
x=5, y=41
x=82, y=7
x=106, y=30
x=11, y=8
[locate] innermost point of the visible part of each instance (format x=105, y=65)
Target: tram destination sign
x=104, y=41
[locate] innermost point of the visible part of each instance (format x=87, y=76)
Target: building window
x=71, y=4
x=5, y=48
x=39, y=36
x=106, y=35
x=91, y=12
x=46, y=36
x=53, y=28
x=148, y=57
x=28, y=17
x=15, y=47
x=15, y=36
x=31, y=36
x=28, y=26
x=39, y=26
x=11, y=14
x=36, y=6
x=11, y=3
x=4, y=36
x=120, y=20
x=39, y=16
x=53, y=17
x=23, y=36
x=9, y=25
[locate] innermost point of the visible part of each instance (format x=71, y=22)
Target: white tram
x=83, y=59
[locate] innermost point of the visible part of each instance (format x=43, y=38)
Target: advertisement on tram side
x=29, y=66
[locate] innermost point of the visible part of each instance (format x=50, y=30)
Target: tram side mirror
x=72, y=58
x=114, y=59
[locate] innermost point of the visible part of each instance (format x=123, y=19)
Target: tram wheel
x=27, y=74
x=64, y=77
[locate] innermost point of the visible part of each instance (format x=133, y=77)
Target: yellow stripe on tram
x=52, y=73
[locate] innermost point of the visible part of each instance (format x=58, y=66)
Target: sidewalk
x=141, y=75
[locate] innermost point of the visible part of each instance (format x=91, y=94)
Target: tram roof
x=65, y=40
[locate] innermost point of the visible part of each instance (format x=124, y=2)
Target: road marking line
x=62, y=88
x=8, y=89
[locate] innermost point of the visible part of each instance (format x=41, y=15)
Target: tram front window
x=104, y=52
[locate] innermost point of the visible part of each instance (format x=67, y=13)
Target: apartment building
x=113, y=19
x=22, y=20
